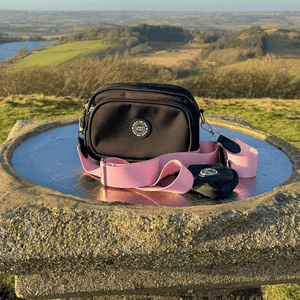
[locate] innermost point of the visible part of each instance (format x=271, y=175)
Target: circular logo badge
x=208, y=172
x=140, y=128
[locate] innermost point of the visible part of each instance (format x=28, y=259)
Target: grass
x=7, y=285
x=34, y=107
x=281, y=292
x=276, y=116
x=62, y=53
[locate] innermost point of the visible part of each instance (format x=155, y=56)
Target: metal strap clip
x=215, y=134
x=81, y=124
x=103, y=181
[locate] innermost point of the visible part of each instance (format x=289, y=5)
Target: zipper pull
x=90, y=110
x=81, y=124
x=85, y=102
x=228, y=144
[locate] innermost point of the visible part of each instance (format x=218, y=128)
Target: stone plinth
x=60, y=246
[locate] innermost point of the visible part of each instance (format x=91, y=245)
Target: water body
x=7, y=50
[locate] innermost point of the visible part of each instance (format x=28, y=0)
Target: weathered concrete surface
x=134, y=283
x=47, y=237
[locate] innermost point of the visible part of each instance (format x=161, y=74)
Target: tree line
x=254, y=37
x=143, y=37
x=5, y=38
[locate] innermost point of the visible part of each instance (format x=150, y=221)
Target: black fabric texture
x=83, y=149
x=216, y=186
x=140, y=121
x=111, y=133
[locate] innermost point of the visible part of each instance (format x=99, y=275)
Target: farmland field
x=61, y=53
x=174, y=58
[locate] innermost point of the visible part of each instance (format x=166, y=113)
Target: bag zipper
x=146, y=90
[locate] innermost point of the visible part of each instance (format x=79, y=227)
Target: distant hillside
x=254, y=38
x=141, y=38
x=283, y=42
x=254, y=42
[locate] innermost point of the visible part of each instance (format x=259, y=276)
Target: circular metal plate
x=50, y=159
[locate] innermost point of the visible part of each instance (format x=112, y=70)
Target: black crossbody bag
x=142, y=121
x=139, y=121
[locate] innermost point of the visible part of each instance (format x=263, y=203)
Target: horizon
x=205, y=6
x=148, y=10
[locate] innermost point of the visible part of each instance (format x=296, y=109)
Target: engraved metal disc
x=208, y=172
x=140, y=128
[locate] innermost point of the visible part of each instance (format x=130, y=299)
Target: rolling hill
x=255, y=41
x=188, y=54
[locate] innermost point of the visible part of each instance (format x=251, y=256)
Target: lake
x=7, y=50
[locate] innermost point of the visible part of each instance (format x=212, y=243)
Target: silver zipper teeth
x=147, y=90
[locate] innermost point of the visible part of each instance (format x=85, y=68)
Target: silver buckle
x=103, y=181
x=80, y=124
x=216, y=136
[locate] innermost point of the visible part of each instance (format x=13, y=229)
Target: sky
x=157, y=5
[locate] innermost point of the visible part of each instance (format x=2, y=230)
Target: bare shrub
x=22, y=50
x=140, y=49
x=230, y=56
x=216, y=83
x=266, y=77
x=269, y=77
x=29, y=80
x=260, y=78
x=80, y=78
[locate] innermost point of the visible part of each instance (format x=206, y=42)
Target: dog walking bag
x=156, y=128
x=139, y=121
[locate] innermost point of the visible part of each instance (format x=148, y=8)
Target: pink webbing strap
x=245, y=162
x=146, y=174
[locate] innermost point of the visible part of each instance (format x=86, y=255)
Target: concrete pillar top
x=236, y=243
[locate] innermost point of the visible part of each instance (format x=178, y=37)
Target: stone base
x=133, y=285
x=249, y=294
x=224, y=251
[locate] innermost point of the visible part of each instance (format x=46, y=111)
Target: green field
x=61, y=53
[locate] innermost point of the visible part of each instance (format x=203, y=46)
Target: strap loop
x=146, y=174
